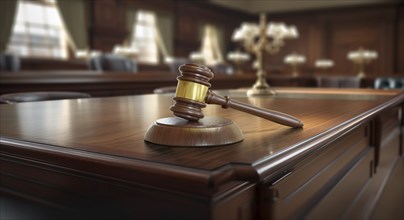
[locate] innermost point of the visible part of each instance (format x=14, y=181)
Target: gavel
x=192, y=94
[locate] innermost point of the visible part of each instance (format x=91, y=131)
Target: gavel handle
x=271, y=115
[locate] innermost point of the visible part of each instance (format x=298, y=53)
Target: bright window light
x=144, y=37
x=38, y=31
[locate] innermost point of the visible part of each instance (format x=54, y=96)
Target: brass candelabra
x=255, y=39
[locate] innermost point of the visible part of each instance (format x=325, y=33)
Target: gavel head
x=192, y=87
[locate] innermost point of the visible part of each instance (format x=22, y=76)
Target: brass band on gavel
x=191, y=90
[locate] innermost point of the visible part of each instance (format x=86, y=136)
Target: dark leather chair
x=40, y=96
x=9, y=62
x=389, y=83
x=385, y=83
x=399, y=83
x=112, y=62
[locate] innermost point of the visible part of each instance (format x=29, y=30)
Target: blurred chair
x=222, y=68
x=399, y=83
x=350, y=82
x=339, y=82
x=112, y=62
x=328, y=82
x=40, y=96
x=9, y=62
x=389, y=83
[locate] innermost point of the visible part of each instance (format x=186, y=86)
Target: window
x=211, y=50
x=144, y=37
x=38, y=31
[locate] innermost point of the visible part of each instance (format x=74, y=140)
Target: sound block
x=209, y=131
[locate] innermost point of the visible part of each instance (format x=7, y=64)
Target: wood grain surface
x=71, y=153
x=116, y=127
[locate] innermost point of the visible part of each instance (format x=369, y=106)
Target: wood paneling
x=190, y=16
x=332, y=33
x=52, y=64
x=308, y=44
x=370, y=30
x=400, y=42
x=347, y=37
x=327, y=33
x=108, y=24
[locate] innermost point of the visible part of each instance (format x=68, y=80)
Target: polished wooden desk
x=87, y=158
